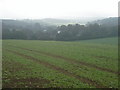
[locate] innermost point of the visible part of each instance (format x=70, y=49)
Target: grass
x=110, y=41
x=66, y=63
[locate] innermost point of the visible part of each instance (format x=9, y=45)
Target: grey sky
x=36, y=9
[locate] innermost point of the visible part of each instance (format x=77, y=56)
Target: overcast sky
x=37, y=9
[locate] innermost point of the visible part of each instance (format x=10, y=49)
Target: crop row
x=105, y=78
x=106, y=57
x=13, y=74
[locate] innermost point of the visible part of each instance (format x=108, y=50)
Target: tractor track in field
x=71, y=60
x=61, y=70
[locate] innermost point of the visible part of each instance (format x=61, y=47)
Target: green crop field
x=59, y=64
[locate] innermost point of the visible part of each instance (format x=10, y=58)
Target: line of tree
x=68, y=32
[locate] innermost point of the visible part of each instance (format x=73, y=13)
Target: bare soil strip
x=61, y=70
x=26, y=82
x=71, y=60
x=104, y=57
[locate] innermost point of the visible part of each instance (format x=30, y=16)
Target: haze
x=37, y=9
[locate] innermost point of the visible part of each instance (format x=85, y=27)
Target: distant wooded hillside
x=39, y=30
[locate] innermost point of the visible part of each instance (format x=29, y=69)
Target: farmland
x=59, y=64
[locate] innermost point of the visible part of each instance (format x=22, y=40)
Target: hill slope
x=111, y=41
